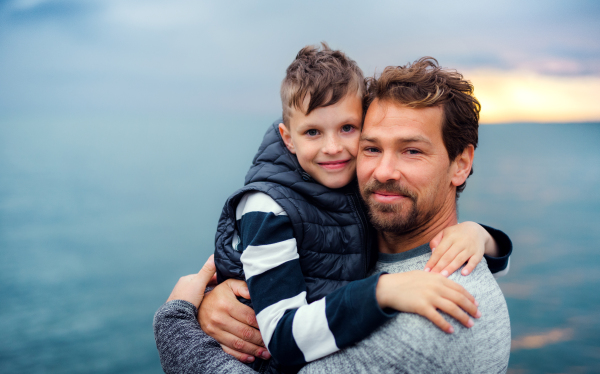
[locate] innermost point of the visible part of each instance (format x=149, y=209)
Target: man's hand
x=423, y=293
x=232, y=323
x=455, y=245
x=191, y=287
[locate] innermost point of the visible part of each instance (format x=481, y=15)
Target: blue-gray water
x=99, y=218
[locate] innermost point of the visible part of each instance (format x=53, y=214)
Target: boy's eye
x=312, y=132
x=347, y=128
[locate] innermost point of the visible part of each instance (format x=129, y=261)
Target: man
x=416, y=152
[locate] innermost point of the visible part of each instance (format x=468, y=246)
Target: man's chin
x=392, y=221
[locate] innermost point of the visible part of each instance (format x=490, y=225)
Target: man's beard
x=393, y=218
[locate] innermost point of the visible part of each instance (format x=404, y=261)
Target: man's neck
x=398, y=243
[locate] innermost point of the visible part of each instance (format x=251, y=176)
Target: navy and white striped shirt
x=294, y=331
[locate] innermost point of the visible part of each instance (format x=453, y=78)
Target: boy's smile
x=326, y=140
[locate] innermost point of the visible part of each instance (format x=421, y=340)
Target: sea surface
x=100, y=216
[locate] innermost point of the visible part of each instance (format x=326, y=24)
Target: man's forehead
x=384, y=117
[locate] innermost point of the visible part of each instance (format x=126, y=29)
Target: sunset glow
x=521, y=96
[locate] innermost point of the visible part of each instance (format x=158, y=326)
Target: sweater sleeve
x=184, y=348
x=294, y=331
x=499, y=265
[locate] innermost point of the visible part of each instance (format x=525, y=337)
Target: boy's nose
x=332, y=146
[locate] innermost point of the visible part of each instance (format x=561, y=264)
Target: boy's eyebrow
x=346, y=120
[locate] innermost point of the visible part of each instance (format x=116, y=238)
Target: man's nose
x=332, y=145
x=387, y=169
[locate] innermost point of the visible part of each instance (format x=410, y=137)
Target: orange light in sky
x=520, y=96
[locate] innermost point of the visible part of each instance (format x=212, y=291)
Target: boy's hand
x=455, y=245
x=423, y=293
x=232, y=323
x=191, y=287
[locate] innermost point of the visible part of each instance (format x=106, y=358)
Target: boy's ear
x=461, y=166
x=287, y=137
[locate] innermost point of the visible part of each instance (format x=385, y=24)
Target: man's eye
x=347, y=128
x=312, y=132
x=413, y=152
x=371, y=150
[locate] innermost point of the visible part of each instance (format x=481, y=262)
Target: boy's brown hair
x=425, y=84
x=325, y=75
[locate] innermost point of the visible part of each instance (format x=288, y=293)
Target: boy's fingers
x=459, y=261
x=455, y=311
x=463, y=302
x=438, y=320
x=473, y=261
x=445, y=260
x=460, y=289
x=436, y=255
x=436, y=240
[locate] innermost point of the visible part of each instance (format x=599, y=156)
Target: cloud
x=187, y=57
x=541, y=340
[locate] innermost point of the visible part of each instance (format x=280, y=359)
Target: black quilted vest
x=334, y=238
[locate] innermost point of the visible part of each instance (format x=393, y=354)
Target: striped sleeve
x=293, y=331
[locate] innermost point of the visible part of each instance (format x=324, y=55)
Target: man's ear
x=462, y=166
x=287, y=137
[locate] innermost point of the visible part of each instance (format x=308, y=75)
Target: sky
x=529, y=61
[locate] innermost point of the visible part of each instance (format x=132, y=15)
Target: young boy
x=297, y=232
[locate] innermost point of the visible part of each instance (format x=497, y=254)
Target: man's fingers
x=454, y=311
x=244, y=314
x=242, y=330
x=239, y=288
x=438, y=320
x=242, y=346
x=242, y=357
x=208, y=271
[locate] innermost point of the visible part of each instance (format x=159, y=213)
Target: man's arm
x=184, y=348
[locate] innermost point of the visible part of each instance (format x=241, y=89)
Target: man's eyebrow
x=413, y=139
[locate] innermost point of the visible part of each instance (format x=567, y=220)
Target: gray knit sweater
x=412, y=344
x=407, y=344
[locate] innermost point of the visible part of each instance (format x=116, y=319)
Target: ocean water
x=99, y=217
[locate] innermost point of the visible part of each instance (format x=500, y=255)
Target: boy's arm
x=500, y=263
x=294, y=331
x=469, y=242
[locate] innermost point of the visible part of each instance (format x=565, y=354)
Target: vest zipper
x=364, y=227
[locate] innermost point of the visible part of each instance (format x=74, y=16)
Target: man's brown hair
x=325, y=75
x=425, y=84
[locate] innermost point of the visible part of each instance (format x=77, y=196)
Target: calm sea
x=99, y=217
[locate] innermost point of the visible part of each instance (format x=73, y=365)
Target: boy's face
x=326, y=140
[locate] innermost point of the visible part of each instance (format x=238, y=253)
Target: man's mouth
x=387, y=197
x=334, y=165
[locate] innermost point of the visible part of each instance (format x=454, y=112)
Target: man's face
x=326, y=140
x=403, y=169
